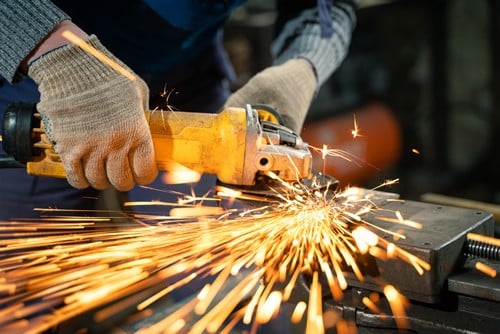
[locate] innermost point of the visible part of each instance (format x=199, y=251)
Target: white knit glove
x=288, y=88
x=95, y=117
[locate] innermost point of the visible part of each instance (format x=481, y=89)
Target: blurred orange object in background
x=371, y=134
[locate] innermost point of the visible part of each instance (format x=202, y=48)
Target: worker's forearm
x=53, y=40
x=301, y=35
x=23, y=25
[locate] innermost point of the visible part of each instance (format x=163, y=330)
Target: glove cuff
x=69, y=69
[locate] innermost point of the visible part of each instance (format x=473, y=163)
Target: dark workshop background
x=434, y=64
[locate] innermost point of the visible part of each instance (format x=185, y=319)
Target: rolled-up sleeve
x=23, y=25
x=301, y=33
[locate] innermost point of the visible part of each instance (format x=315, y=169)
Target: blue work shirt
x=172, y=43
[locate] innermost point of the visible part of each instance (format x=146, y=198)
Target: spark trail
x=51, y=271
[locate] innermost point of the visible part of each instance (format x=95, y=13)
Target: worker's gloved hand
x=95, y=117
x=289, y=88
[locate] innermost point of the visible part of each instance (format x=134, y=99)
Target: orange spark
x=324, y=152
x=371, y=305
x=269, y=308
x=484, y=238
x=355, y=131
x=397, y=302
x=179, y=174
x=486, y=269
x=98, y=54
x=197, y=211
x=298, y=312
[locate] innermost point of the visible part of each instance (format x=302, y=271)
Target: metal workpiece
x=468, y=281
x=452, y=297
x=460, y=314
x=440, y=242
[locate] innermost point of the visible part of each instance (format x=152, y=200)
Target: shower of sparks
x=51, y=272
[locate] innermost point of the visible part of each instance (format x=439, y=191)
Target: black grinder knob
x=17, y=130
